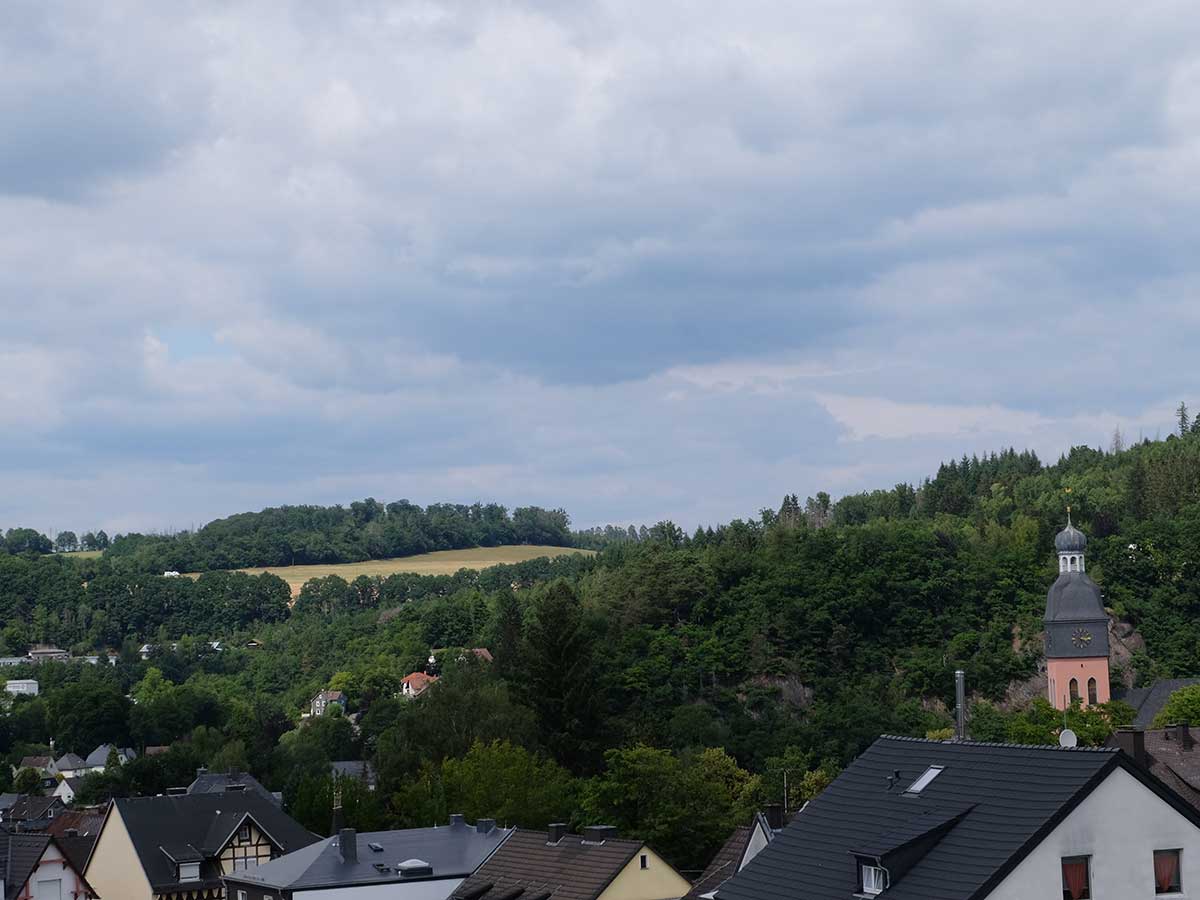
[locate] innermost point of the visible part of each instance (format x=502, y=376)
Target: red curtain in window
x=1076, y=876
x=1166, y=868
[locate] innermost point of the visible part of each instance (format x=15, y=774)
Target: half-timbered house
x=179, y=847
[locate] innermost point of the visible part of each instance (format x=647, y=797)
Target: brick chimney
x=1132, y=742
x=556, y=831
x=348, y=845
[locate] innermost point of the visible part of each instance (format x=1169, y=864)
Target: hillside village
x=944, y=816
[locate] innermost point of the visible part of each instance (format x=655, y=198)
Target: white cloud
x=639, y=260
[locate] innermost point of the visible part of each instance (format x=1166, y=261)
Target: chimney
x=457, y=819
x=598, y=834
x=203, y=770
x=336, y=827
x=348, y=845
x=1132, y=742
x=71, y=832
x=1183, y=735
x=556, y=832
x=483, y=826
x=960, y=705
x=774, y=815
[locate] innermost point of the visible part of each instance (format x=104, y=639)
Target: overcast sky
x=638, y=260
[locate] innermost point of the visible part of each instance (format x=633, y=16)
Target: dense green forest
x=366, y=529
x=664, y=684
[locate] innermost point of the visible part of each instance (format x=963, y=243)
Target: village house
x=411, y=864
x=915, y=819
x=207, y=782
x=22, y=686
x=43, y=765
x=324, y=700
x=555, y=865
x=67, y=788
x=414, y=685
x=179, y=847
x=355, y=768
x=29, y=813
x=43, y=654
x=746, y=842
x=34, y=867
x=69, y=764
x=98, y=758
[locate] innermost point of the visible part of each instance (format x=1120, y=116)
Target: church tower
x=1076, y=628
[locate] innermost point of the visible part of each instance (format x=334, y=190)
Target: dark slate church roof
x=961, y=835
x=1070, y=540
x=1148, y=702
x=1074, y=597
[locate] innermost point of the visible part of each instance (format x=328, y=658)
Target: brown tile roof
x=1173, y=754
x=569, y=870
x=723, y=865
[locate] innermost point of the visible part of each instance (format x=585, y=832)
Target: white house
x=67, y=788
x=912, y=819
x=26, y=686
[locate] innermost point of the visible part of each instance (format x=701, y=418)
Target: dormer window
x=189, y=871
x=924, y=781
x=874, y=880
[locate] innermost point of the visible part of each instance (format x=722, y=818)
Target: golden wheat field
x=443, y=562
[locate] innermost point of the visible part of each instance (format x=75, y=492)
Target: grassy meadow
x=443, y=562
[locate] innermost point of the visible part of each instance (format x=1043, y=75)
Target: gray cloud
x=641, y=261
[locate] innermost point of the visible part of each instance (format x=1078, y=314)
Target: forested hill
x=686, y=671
x=366, y=529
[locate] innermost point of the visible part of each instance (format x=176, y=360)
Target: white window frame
x=877, y=882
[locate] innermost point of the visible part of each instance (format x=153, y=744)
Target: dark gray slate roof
x=962, y=834
x=19, y=854
x=230, y=782
x=1070, y=540
x=99, y=756
x=204, y=823
x=353, y=768
x=1148, y=702
x=1074, y=597
x=453, y=851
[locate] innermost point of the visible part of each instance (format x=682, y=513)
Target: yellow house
x=596, y=865
x=178, y=847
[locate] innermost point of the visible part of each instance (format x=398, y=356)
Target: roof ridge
x=1005, y=744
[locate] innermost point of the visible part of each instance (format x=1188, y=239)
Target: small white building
x=26, y=686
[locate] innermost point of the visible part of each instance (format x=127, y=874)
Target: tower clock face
x=1081, y=637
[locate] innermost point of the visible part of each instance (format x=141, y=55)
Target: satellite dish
x=1067, y=738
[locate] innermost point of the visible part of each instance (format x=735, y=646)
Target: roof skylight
x=923, y=782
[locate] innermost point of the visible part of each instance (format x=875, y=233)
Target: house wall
x=1119, y=825
x=658, y=881
x=114, y=869
x=758, y=840
x=416, y=890
x=242, y=853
